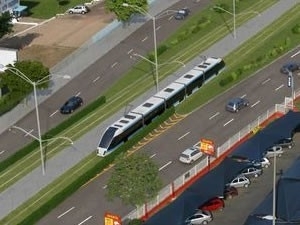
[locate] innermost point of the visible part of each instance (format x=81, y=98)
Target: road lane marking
x=164, y=166
x=183, y=136
x=281, y=86
x=53, y=113
x=29, y=132
x=157, y=28
x=225, y=124
x=78, y=93
x=2, y=152
x=64, y=213
x=83, y=221
x=297, y=53
x=152, y=156
x=145, y=39
x=113, y=65
x=267, y=80
x=97, y=78
x=171, y=17
x=243, y=96
x=131, y=50
x=255, y=104
x=213, y=116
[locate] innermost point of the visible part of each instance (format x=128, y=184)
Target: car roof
x=188, y=151
x=235, y=100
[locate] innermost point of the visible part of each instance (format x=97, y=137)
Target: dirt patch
x=51, y=41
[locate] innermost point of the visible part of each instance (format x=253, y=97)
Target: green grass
x=139, y=79
x=45, y=9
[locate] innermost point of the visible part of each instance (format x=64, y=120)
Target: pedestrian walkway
x=29, y=185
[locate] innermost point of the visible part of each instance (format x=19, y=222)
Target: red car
x=213, y=204
x=230, y=192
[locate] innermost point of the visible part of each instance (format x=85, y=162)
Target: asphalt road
x=267, y=88
x=96, y=79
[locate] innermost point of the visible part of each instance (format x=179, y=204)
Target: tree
x=124, y=13
x=134, y=180
x=34, y=70
x=5, y=24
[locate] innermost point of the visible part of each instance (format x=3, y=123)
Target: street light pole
x=274, y=191
x=142, y=11
x=234, y=24
x=291, y=84
x=144, y=58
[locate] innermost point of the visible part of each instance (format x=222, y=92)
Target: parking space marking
x=113, y=65
x=104, y=187
x=255, y=104
x=225, y=124
x=64, y=213
x=78, y=93
x=213, y=116
x=2, y=152
x=85, y=220
x=297, y=53
x=95, y=80
x=164, y=166
x=152, y=156
x=29, y=132
x=243, y=96
x=183, y=136
x=157, y=28
x=266, y=81
x=281, y=86
x=145, y=38
x=53, y=113
x=131, y=50
x=170, y=18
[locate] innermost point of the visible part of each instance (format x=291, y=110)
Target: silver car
x=275, y=150
x=239, y=181
x=200, y=217
x=252, y=172
x=79, y=9
x=190, y=155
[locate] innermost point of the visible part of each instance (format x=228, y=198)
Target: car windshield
x=184, y=156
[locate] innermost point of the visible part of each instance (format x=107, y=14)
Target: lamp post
x=274, y=190
x=291, y=85
x=144, y=12
x=43, y=140
x=144, y=58
x=34, y=84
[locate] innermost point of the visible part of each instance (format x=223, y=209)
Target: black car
x=72, y=104
x=290, y=67
x=182, y=13
x=286, y=143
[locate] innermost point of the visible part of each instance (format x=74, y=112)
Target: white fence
x=169, y=191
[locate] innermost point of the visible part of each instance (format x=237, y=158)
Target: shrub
x=135, y=222
x=226, y=80
x=296, y=29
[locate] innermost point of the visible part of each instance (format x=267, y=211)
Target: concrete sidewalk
x=29, y=185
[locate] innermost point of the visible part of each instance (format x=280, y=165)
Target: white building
x=12, y=6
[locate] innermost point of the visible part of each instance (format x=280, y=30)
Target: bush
x=226, y=80
x=296, y=29
x=135, y=222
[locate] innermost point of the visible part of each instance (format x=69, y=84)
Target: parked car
x=286, y=143
x=236, y=104
x=252, y=172
x=213, y=204
x=200, y=217
x=263, y=163
x=190, y=155
x=290, y=67
x=79, y=9
x=275, y=150
x=230, y=192
x=72, y=104
x=182, y=13
x=239, y=181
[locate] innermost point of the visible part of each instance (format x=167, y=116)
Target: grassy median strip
x=196, y=34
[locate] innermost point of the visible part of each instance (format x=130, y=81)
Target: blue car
x=289, y=67
x=72, y=104
x=236, y=104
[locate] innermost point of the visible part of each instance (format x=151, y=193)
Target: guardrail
x=168, y=193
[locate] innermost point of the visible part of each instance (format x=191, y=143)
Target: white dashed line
x=225, y=124
x=152, y=156
x=171, y=17
x=61, y=215
x=213, y=116
x=78, y=94
x=157, y=28
x=29, y=132
x=297, y=53
x=255, y=104
x=267, y=80
x=243, y=96
x=2, y=152
x=164, y=166
x=183, y=136
x=113, y=65
x=85, y=220
x=131, y=50
x=281, y=86
x=95, y=80
x=53, y=113
x=145, y=39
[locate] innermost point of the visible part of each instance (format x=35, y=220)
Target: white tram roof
x=126, y=120
x=169, y=91
x=148, y=106
x=189, y=77
x=207, y=64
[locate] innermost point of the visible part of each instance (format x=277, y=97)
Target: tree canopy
x=34, y=70
x=134, y=179
x=5, y=24
x=124, y=13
